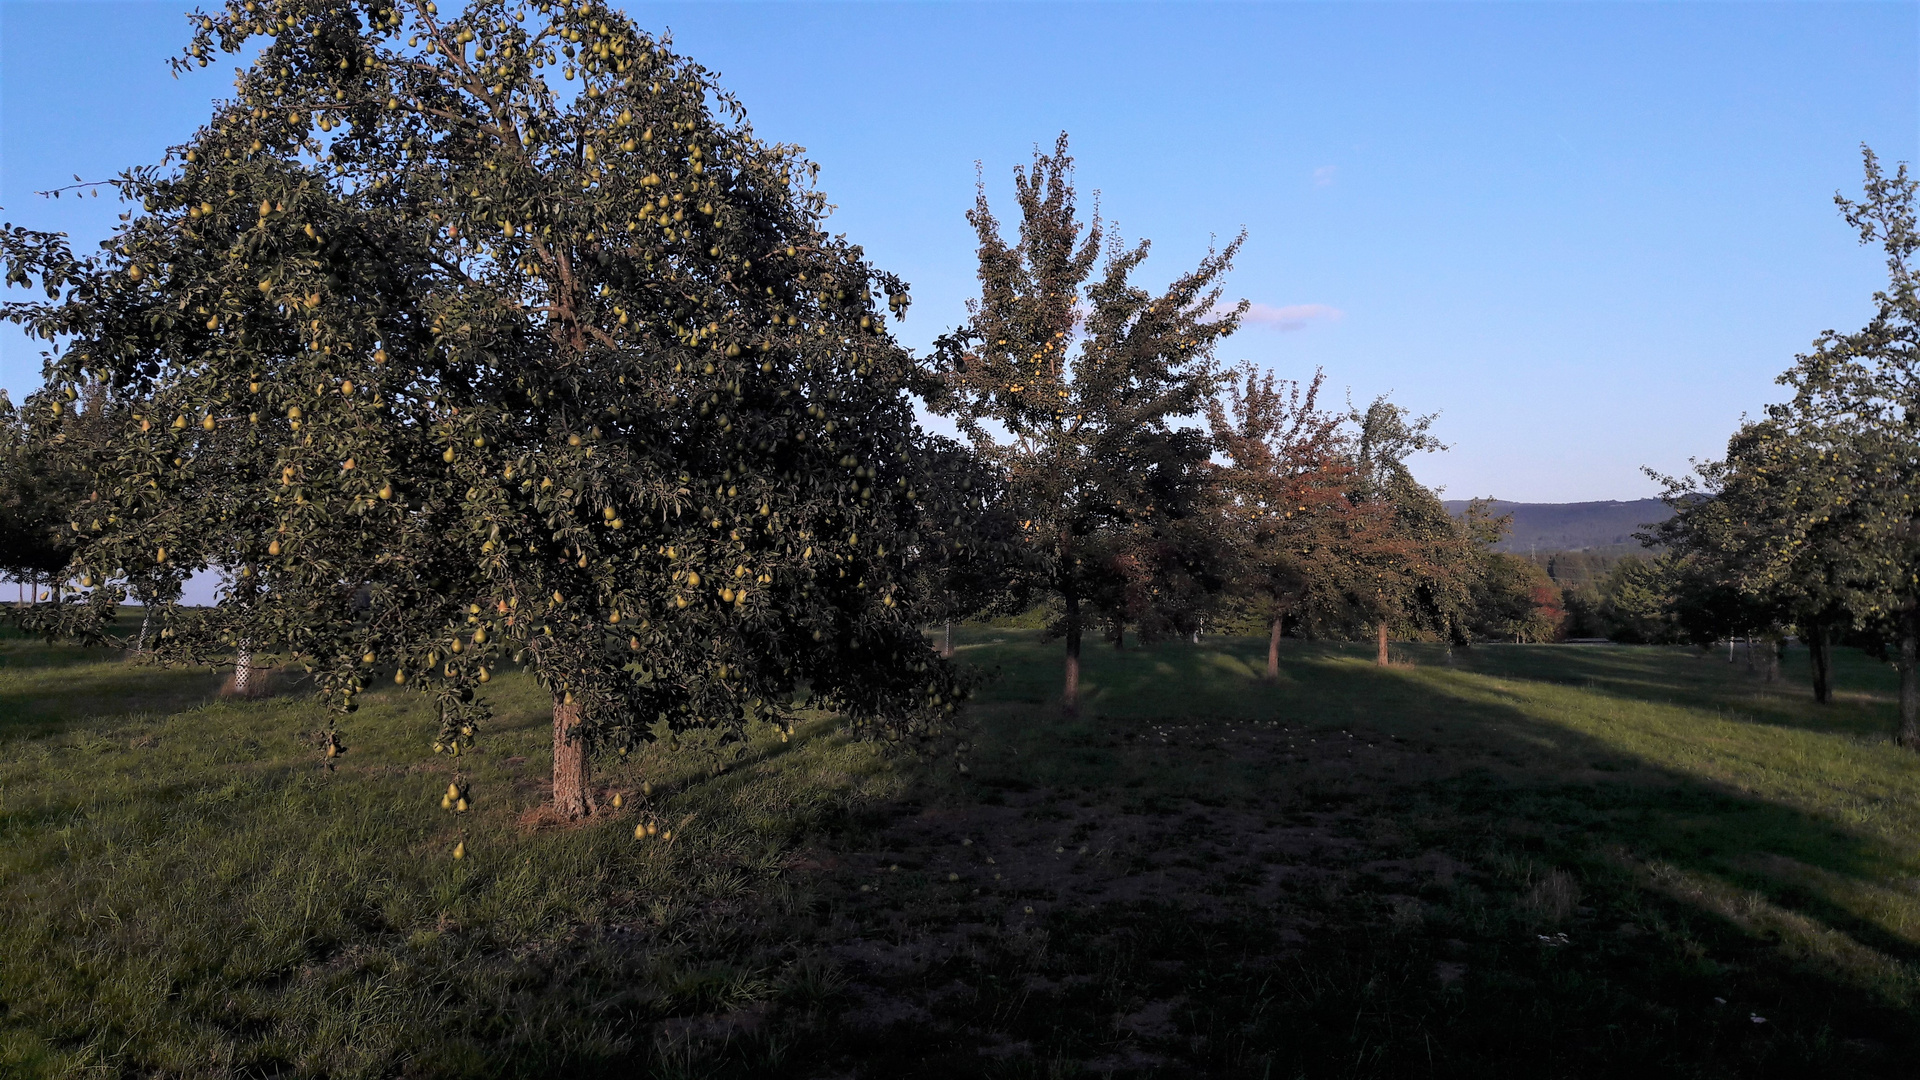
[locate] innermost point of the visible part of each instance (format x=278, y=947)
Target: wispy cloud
x=1323, y=176
x=1291, y=316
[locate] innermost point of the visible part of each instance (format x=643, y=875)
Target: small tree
x=1073, y=385
x=571, y=379
x=1857, y=397
x=1514, y=599
x=965, y=565
x=1812, y=512
x=1288, y=500
x=1730, y=567
x=36, y=492
x=49, y=476
x=1423, y=561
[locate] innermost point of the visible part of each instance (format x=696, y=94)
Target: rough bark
x=570, y=796
x=1070, y=703
x=1273, y=651
x=1381, y=657
x=1821, y=655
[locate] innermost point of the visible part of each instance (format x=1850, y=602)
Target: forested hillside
x=1578, y=526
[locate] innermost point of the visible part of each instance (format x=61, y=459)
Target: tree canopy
x=1070, y=377
x=1811, y=516
x=444, y=366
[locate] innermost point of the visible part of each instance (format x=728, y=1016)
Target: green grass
x=1529, y=861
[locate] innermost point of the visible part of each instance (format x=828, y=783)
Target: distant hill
x=1581, y=526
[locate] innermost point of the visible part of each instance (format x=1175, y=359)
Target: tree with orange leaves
x=1286, y=492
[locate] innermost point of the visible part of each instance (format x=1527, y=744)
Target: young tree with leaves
x=966, y=564
x=1422, y=560
x=35, y=495
x=1813, y=510
x=576, y=379
x=1730, y=567
x=1073, y=384
x=1287, y=486
x=1513, y=599
x=1856, y=406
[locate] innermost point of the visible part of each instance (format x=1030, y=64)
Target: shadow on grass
x=41, y=700
x=1703, y=901
x=1691, y=677
x=1352, y=872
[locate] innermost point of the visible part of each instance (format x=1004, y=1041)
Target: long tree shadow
x=53, y=700
x=1690, y=677
x=1617, y=910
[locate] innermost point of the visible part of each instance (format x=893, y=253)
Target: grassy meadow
x=1511, y=861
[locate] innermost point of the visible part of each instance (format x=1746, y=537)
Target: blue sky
x=1588, y=235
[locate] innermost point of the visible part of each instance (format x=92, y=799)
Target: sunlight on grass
x=1611, y=838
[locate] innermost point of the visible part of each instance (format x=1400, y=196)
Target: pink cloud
x=1291, y=316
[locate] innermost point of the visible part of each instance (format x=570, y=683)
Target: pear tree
x=1422, y=562
x=1813, y=511
x=449, y=365
x=1289, y=505
x=1074, y=381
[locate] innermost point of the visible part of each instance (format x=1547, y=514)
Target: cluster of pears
x=455, y=799
x=649, y=829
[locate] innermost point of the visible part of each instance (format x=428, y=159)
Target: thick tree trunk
x=1908, y=661
x=1381, y=657
x=1120, y=637
x=1070, y=703
x=570, y=797
x=1822, y=656
x=1273, y=651
x=1775, y=650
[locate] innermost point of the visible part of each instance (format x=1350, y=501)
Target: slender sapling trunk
x=1070, y=704
x=1908, y=661
x=1821, y=655
x=1381, y=657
